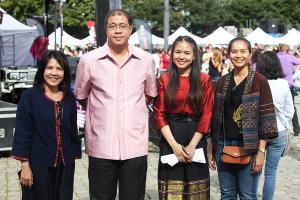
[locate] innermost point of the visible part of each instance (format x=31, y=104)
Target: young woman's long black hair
x=61, y=58
x=269, y=65
x=195, y=92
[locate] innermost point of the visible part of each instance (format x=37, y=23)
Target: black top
x=38, y=138
x=232, y=109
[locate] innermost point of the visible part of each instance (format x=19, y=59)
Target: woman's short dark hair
x=269, y=65
x=255, y=55
x=239, y=39
x=61, y=58
x=115, y=12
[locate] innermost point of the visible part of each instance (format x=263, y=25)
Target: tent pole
x=166, y=24
x=61, y=23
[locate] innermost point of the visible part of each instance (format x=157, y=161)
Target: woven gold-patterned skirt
x=179, y=190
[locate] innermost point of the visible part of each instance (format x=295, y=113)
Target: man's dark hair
x=115, y=12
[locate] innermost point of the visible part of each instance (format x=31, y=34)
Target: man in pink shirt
x=115, y=82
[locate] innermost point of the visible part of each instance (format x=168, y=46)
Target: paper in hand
x=169, y=159
x=172, y=160
x=199, y=156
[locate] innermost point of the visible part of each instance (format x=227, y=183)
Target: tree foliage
x=198, y=16
x=22, y=9
x=75, y=13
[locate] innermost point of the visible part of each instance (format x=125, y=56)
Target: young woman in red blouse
x=183, y=111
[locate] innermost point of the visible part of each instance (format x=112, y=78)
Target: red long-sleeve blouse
x=181, y=104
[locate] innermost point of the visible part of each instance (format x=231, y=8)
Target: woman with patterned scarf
x=243, y=117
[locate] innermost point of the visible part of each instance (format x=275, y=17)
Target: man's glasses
x=60, y=110
x=114, y=27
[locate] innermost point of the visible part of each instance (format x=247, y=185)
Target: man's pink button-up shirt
x=117, y=116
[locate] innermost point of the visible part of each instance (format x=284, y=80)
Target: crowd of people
x=222, y=108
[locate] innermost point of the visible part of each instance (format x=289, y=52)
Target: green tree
x=198, y=16
x=75, y=13
x=287, y=12
x=22, y=9
x=149, y=10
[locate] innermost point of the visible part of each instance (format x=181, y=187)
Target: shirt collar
x=281, y=53
x=105, y=51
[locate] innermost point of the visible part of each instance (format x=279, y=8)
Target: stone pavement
x=287, y=183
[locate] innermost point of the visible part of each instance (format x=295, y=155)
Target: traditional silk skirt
x=183, y=181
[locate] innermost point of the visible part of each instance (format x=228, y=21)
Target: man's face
x=118, y=31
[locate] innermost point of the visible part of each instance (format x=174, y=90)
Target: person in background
x=206, y=58
x=296, y=74
x=68, y=51
x=200, y=53
x=287, y=62
x=296, y=79
x=156, y=58
x=224, y=54
x=182, y=112
x=215, y=64
x=269, y=65
x=115, y=83
x=77, y=52
x=243, y=116
x=254, y=58
x=165, y=59
x=46, y=140
x=227, y=66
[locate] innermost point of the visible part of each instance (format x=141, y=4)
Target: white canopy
x=181, y=32
x=291, y=38
x=87, y=40
x=156, y=41
x=17, y=39
x=260, y=37
x=218, y=37
x=66, y=40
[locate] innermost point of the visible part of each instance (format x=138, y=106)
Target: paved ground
x=287, y=184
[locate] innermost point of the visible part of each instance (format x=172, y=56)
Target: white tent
x=260, y=37
x=182, y=32
x=156, y=41
x=15, y=42
x=218, y=37
x=66, y=40
x=88, y=40
x=291, y=38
